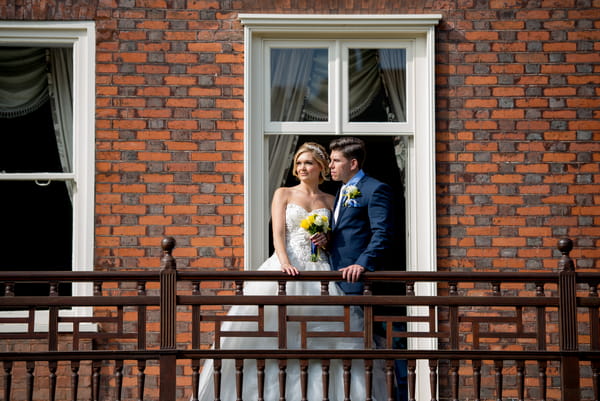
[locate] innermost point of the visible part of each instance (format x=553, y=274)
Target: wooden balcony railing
x=523, y=335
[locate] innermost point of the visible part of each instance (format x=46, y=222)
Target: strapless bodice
x=298, y=242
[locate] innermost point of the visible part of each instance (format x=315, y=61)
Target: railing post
x=567, y=293
x=168, y=313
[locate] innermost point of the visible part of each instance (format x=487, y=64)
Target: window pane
x=30, y=144
x=299, y=85
x=37, y=226
x=377, y=85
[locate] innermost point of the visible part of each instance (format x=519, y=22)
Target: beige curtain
x=393, y=76
x=23, y=82
x=290, y=76
x=60, y=77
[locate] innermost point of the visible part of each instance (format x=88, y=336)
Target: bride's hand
x=319, y=239
x=289, y=269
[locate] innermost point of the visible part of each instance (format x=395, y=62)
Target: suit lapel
x=342, y=207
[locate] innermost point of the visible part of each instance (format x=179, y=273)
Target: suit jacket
x=363, y=232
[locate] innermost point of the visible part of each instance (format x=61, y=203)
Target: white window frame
x=259, y=29
x=81, y=35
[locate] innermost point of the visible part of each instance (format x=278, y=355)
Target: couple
x=360, y=235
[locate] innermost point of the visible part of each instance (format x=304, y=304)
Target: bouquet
x=315, y=223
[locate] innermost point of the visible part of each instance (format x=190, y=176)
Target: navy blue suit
x=362, y=233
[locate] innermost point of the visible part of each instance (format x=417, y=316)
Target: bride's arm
x=278, y=221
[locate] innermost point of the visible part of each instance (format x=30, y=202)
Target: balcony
x=144, y=335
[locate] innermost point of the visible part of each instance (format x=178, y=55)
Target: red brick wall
x=518, y=127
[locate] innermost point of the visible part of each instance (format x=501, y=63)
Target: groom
x=362, y=218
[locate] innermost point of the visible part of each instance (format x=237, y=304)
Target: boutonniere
x=350, y=194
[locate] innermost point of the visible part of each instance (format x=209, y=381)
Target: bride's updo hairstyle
x=319, y=154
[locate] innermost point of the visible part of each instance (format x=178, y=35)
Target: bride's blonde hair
x=319, y=154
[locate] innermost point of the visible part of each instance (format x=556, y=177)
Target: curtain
x=393, y=62
x=28, y=78
x=60, y=76
x=290, y=77
x=23, y=82
x=364, y=80
x=393, y=76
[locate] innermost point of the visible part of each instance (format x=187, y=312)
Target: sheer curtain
x=364, y=80
x=28, y=78
x=290, y=77
x=60, y=76
x=393, y=75
x=299, y=92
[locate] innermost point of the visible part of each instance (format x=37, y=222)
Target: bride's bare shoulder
x=328, y=199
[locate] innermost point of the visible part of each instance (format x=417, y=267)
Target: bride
x=292, y=255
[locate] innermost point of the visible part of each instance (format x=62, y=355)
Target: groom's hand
x=352, y=273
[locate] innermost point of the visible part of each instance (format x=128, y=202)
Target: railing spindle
x=389, y=379
x=369, y=379
x=9, y=289
x=118, y=379
x=521, y=380
x=412, y=378
x=7, y=365
x=498, y=376
x=477, y=380
x=74, y=379
x=217, y=379
x=141, y=322
x=282, y=378
x=304, y=379
x=324, y=287
x=196, y=318
x=433, y=379
x=325, y=378
x=30, y=366
x=260, y=378
x=596, y=379
x=52, y=380
x=239, y=379
x=347, y=378
x=595, y=341
x=96, y=366
x=542, y=366
x=454, y=379
x=141, y=379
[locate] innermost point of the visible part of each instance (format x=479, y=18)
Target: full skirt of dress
x=298, y=249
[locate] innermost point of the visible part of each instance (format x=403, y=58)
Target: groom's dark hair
x=350, y=147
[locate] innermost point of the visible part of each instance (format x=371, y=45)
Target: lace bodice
x=298, y=243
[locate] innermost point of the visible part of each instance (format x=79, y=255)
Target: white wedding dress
x=299, y=250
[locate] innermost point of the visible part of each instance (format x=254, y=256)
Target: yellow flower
x=305, y=224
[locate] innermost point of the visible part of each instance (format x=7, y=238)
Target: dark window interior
x=37, y=219
x=381, y=164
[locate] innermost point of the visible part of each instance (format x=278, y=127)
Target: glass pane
x=299, y=85
x=29, y=145
x=377, y=85
x=37, y=225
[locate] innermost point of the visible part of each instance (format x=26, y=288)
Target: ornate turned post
x=168, y=312
x=567, y=294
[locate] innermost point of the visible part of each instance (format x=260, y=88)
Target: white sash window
x=47, y=72
x=321, y=76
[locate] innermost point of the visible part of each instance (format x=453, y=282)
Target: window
x=321, y=76
x=49, y=169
